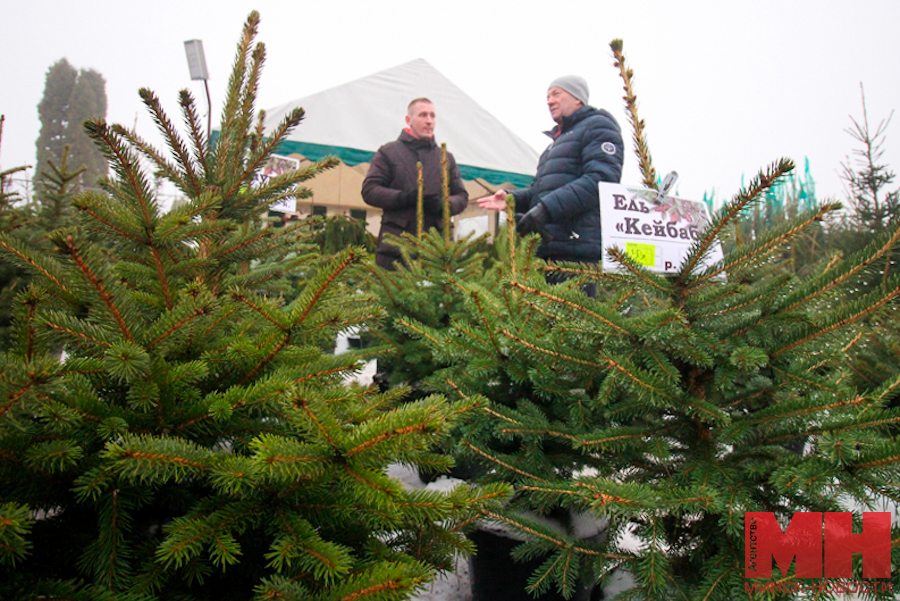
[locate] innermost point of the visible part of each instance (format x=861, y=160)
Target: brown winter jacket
x=392, y=174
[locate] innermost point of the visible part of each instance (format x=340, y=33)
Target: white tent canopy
x=353, y=120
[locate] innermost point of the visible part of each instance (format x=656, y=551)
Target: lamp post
x=197, y=64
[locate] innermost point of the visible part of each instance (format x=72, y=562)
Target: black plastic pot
x=496, y=577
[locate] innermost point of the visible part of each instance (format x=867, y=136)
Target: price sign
x=657, y=232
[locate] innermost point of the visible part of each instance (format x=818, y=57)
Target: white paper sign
x=275, y=166
x=658, y=235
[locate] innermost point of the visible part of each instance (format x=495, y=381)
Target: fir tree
x=195, y=442
x=57, y=185
x=672, y=405
x=874, y=206
x=868, y=180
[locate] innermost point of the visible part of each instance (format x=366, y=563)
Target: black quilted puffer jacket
x=586, y=149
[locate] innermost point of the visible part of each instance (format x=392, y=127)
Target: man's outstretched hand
x=494, y=202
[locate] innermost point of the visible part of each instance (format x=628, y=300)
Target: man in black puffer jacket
x=392, y=181
x=562, y=203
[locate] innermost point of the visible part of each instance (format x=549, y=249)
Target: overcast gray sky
x=724, y=87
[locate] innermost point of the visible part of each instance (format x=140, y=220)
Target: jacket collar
x=408, y=138
x=570, y=121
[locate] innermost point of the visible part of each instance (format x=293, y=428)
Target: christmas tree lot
x=172, y=425
x=670, y=405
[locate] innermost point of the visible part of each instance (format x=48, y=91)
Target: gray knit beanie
x=574, y=85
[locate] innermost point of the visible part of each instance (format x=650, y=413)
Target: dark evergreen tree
x=339, y=232
x=194, y=441
x=70, y=98
x=53, y=110
x=88, y=102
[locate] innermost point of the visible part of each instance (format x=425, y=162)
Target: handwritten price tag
x=645, y=254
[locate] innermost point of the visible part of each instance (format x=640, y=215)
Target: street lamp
x=197, y=64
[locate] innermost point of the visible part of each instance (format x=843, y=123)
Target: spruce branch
x=531, y=529
x=17, y=396
x=730, y=213
x=476, y=298
x=858, y=264
x=429, y=334
x=806, y=379
x=165, y=167
x=638, y=271
x=875, y=302
x=195, y=313
x=258, y=133
x=608, y=364
x=586, y=269
x=124, y=163
x=231, y=146
x=199, y=140
x=191, y=182
x=640, y=143
x=574, y=306
x=285, y=185
x=96, y=207
x=766, y=244
x=77, y=329
x=96, y=282
x=255, y=162
x=307, y=302
x=251, y=86
x=785, y=412
x=240, y=245
x=162, y=277
x=501, y=463
x=42, y=266
x=16, y=523
x=511, y=234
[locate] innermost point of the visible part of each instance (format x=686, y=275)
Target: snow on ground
x=446, y=587
x=449, y=587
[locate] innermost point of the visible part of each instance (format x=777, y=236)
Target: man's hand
x=409, y=198
x=533, y=221
x=494, y=202
x=432, y=205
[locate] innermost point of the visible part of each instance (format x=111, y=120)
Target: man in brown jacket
x=392, y=181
